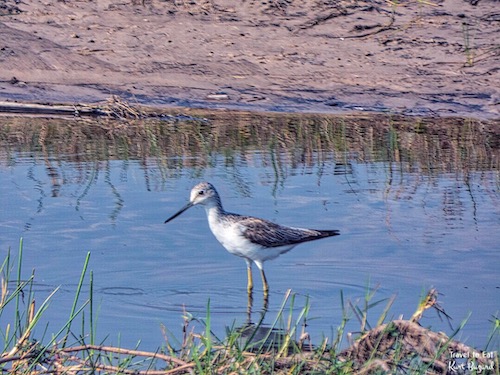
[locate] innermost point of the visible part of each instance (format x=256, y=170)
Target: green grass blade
x=18, y=295
x=77, y=296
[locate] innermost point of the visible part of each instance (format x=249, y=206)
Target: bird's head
x=204, y=193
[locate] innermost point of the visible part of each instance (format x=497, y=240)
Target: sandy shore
x=427, y=58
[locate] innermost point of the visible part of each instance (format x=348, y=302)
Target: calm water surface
x=417, y=204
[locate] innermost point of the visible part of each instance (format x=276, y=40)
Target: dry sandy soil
x=433, y=58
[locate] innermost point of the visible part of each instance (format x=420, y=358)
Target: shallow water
x=417, y=204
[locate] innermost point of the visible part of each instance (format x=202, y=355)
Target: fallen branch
x=111, y=349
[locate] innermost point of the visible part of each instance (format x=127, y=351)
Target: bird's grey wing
x=269, y=234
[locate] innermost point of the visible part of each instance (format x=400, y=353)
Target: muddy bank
x=426, y=58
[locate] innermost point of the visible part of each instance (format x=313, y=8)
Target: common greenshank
x=255, y=240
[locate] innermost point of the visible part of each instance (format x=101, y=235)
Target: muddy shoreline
x=416, y=58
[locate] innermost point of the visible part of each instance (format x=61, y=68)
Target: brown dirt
x=416, y=57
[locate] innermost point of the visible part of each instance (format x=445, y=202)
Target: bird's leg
x=249, y=275
x=265, y=285
x=250, y=280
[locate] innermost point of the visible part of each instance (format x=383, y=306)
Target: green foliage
x=284, y=347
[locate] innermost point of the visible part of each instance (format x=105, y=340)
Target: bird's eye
x=201, y=192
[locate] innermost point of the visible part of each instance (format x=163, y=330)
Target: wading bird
x=255, y=240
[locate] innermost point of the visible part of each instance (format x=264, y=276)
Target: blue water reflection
x=405, y=226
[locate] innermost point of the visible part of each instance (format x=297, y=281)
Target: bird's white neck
x=213, y=211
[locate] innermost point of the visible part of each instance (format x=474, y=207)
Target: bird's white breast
x=231, y=235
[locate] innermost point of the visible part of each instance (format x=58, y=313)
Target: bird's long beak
x=189, y=205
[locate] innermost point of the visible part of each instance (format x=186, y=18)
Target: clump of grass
x=118, y=108
x=66, y=352
x=283, y=347
x=389, y=346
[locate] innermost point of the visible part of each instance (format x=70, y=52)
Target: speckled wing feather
x=269, y=234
